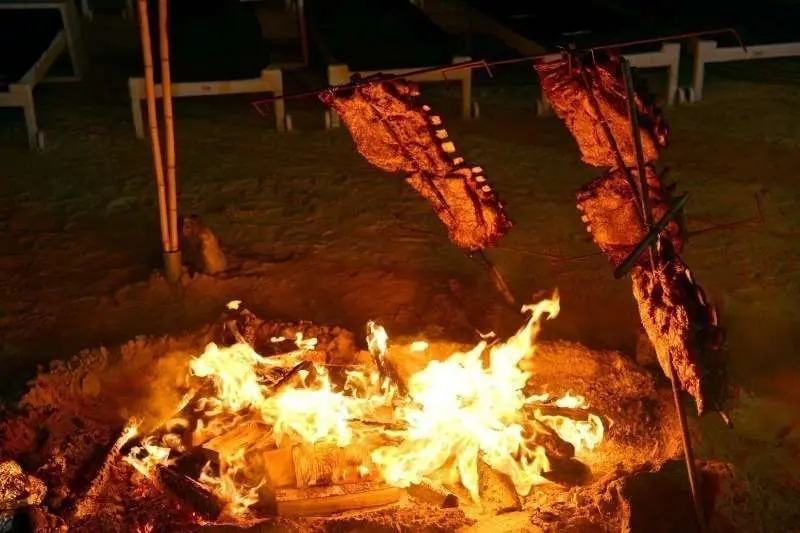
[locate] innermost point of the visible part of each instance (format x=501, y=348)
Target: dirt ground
x=314, y=232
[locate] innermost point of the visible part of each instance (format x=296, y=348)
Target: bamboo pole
x=169, y=127
x=152, y=119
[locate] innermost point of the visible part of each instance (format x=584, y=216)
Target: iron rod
x=650, y=238
x=497, y=279
x=636, y=138
x=649, y=242
x=688, y=451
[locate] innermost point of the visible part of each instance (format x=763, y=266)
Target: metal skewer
x=647, y=215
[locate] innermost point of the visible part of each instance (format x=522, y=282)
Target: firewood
x=496, y=490
x=86, y=503
x=434, y=493
x=547, y=438
x=190, y=492
x=325, y=464
x=320, y=501
x=305, y=466
x=567, y=471
x=243, y=435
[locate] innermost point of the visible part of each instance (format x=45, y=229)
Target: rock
x=200, y=247
x=17, y=489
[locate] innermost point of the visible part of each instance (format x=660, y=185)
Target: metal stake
x=633, y=117
x=497, y=279
x=647, y=215
x=688, y=451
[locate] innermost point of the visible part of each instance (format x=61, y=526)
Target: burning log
x=321, y=501
x=434, y=493
x=86, y=504
x=243, y=436
x=547, y=438
x=240, y=324
x=573, y=413
x=200, y=499
x=396, y=132
x=377, y=344
x=304, y=466
x=683, y=327
x=567, y=472
x=497, y=492
x=591, y=101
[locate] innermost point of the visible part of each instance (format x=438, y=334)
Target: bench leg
x=337, y=75
x=72, y=33
x=136, y=107
x=673, y=71
x=699, y=67
x=23, y=94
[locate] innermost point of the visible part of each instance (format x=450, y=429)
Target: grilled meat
x=467, y=206
x=584, y=95
x=396, y=132
x=611, y=211
x=682, y=326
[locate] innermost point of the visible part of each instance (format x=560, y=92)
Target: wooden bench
x=270, y=81
x=20, y=92
x=706, y=51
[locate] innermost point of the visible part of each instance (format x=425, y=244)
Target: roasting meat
x=577, y=91
x=610, y=209
x=682, y=326
x=392, y=129
x=396, y=132
x=466, y=205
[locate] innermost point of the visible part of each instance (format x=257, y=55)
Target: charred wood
x=190, y=492
x=434, y=493
x=325, y=500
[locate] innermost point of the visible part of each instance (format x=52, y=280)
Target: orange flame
x=467, y=408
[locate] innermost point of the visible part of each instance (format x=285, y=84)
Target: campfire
x=293, y=424
x=257, y=428
x=256, y=421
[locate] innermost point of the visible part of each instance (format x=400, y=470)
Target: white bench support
x=72, y=30
x=20, y=93
x=271, y=81
x=669, y=56
x=340, y=75
x=709, y=52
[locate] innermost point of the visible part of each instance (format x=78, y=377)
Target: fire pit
x=292, y=425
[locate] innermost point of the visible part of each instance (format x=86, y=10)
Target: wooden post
x=337, y=75
x=152, y=119
x=169, y=127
